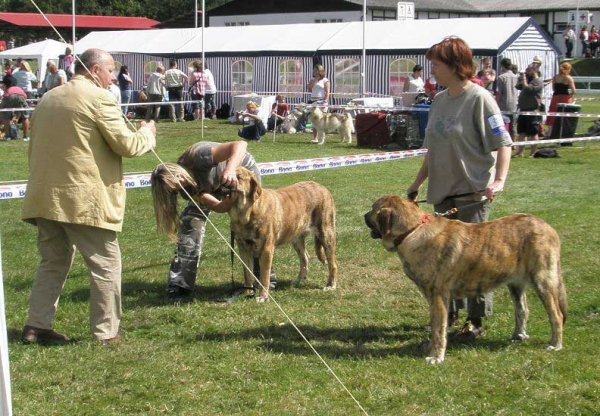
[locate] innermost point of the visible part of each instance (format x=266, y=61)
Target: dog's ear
x=386, y=218
x=255, y=189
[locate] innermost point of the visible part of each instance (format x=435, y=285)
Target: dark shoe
x=452, y=321
x=272, y=282
x=111, y=341
x=178, y=293
x=31, y=334
x=468, y=333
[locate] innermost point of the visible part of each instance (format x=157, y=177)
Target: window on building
x=237, y=23
x=149, y=68
x=242, y=75
x=400, y=70
x=347, y=77
x=379, y=14
x=290, y=78
x=320, y=20
x=335, y=20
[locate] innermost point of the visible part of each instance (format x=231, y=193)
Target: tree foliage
x=153, y=9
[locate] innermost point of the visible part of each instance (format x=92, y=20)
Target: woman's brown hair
x=455, y=53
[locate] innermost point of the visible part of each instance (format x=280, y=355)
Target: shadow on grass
x=370, y=341
x=140, y=294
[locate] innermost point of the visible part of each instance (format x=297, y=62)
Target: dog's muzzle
x=374, y=233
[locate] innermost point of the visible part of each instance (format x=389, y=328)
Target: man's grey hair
x=89, y=58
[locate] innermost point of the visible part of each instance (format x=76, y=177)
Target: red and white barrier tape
x=141, y=180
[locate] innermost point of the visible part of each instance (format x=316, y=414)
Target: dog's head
x=315, y=113
x=391, y=216
x=299, y=110
x=248, y=185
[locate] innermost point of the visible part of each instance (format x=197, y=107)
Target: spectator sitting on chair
x=255, y=128
x=14, y=97
x=278, y=112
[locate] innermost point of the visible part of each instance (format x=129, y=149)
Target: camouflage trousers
x=190, y=239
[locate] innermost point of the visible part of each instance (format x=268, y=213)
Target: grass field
x=210, y=358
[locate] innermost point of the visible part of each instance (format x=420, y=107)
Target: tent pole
x=364, y=54
x=203, y=62
x=73, y=28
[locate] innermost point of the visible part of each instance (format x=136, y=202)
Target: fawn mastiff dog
x=449, y=259
x=263, y=219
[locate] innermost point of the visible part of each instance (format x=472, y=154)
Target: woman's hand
x=229, y=178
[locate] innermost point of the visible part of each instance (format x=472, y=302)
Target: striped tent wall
x=529, y=44
x=265, y=72
x=521, y=50
x=377, y=73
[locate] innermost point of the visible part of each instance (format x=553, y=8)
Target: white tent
x=265, y=48
x=40, y=51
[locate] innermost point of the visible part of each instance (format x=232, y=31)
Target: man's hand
x=149, y=125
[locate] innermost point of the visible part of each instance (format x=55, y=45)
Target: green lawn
x=210, y=358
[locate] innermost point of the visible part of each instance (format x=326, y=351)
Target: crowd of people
x=587, y=37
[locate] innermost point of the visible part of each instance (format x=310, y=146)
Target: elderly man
x=76, y=197
x=55, y=77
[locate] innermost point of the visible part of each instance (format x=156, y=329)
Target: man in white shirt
x=156, y=93
x=569, y=37
x=175, y=79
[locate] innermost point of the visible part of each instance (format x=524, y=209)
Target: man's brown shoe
x=32, y=334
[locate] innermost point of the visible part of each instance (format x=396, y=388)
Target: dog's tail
x=320, y=250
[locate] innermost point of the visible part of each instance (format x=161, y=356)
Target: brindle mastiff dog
x=449, y=259
x=263, y=219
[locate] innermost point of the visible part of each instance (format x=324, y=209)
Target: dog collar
x=424, y=219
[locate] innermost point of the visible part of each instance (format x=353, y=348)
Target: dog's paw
x=519, y=337
x=262, y=299
x=554, y=347
x=326, y=288
x=434, y=360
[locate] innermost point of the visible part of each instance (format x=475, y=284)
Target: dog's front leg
x=438, y=307
x=266, y=261
x=246, y=255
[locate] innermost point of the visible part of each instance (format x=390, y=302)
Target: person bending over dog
x=206, y=170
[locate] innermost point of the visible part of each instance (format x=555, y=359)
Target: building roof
x=453, y=6
x=31, y=20
x=485, y=6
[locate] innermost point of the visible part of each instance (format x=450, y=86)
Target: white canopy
x=41, y=51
